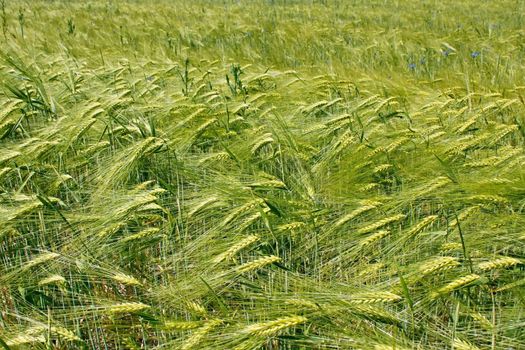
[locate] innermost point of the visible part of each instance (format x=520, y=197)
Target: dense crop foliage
x=262, y=175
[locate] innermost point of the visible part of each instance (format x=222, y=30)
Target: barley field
x=279, y=174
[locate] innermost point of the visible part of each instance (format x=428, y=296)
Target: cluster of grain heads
x=147, y=201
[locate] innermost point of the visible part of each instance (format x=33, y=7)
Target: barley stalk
x=271, y=328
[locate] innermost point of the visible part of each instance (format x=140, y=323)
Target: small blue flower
x=150, y=78
x=411, y=66
x=475, y=54
x=446, y=52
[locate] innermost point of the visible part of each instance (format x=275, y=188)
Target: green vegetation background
x=262, y=174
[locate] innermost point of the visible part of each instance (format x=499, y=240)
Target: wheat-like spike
x=489, y=198
x=377, y=150
x=6, y=155
x=4, y=171
x=232, y=251
x=384, y=103
x=362, y=165
x=482, y=163
x=251, y=219
x=438, y=264
x=381, y=223
x=396, y=144
x=433, y=127
x=370, y=269
x=182, y=325
x=470, y=142
x=93, y=148
x=64, y=333
x=505, y=154
x=140, y=235
x=374, y=298
x=495, y=181
x=261, y=142
x=374, y=238
x=192, y=116
x=420, y=226
x=457, y=284
x=449, y=246
x=39, y=331
x=202, y=204
x=501, y=263
x=463, y=345
x=505, y=130
x=143, y=186
x=341, y=118
x=52, y=279
x=482, y=320
x=466, y=213
x=467, y=124
x=126, y=307
x=518, y=161
x=271, y=328
x=204, y=126
x=381, y=168
x=268, y=184
x=22, y=339
x=353, y=214
x=389, y=347
x=22, y=210
x=291, y=226
x=259, y=263
x=346, y=139
x=434, y=185
x=504, y=103
x=40, y=259
x=242, y=209
x=436, y=135
x=366, y=202
x=369, y=186
x=108, y=231
x=199, y=334
x=126, y=279
x=219, y=156
x=508, y=286
x=196, y=307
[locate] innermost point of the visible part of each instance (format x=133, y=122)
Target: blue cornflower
x=446, y=52
x=411, y=66
x=475, y=54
